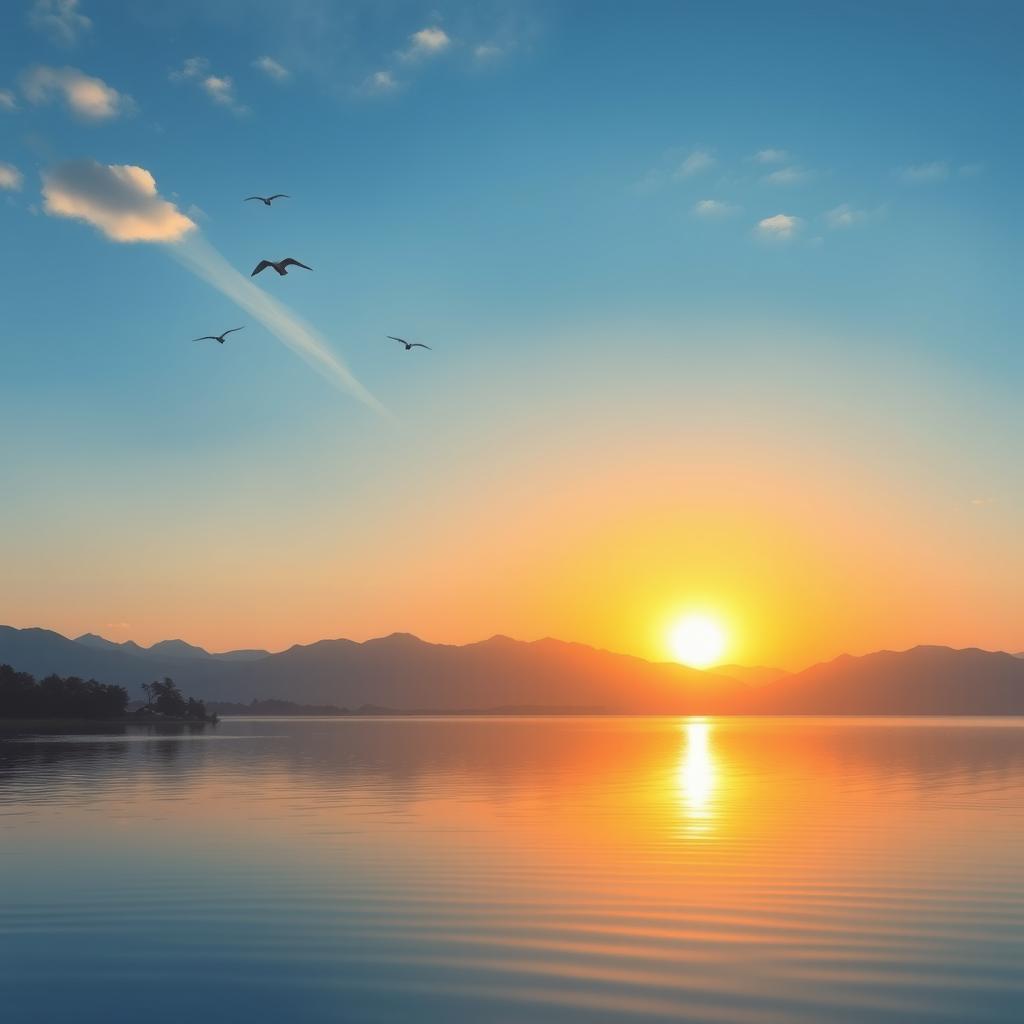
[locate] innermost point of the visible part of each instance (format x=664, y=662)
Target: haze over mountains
x=402, y=672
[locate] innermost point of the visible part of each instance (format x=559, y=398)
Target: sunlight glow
x=697, y=641
x=696, y=775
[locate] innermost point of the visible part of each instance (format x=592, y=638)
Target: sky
x=723, y=301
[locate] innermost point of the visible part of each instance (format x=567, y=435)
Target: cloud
x=379, y=83
x=844, y=216
x=699, y=160
x=487, y=52
x=220, y=88
x=60, y=20
x=788, y=176
x=272, y=68
x=427, y=42
x=123, y=202
x=770, y=156
x=119, y=199
x=7, y=100
x=917, y=174
x=781, y=227
x=970, y=170
x=90, y=98
x=10, y=177
x=714, y=208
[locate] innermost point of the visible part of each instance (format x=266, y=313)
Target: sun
x=697, y=640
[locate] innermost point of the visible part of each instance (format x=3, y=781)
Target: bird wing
x=232, y=331
x=418, y=344
x=294, y=263
x=207, y=337
x=393, y=338
x=247, y=198
x=262, y=265
x=280, y=195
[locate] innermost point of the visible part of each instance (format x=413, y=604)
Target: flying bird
x=409, y=344
x=281, y=267
x=218, y=337
x=267, y=200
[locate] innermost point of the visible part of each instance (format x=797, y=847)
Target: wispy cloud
x=122, y=201
x=380, y=83
x=427, y=42
x=780, y=228
x=844, y=216
x=696, y=162
x=220, y=88
x=61, y=20
x=791, y=175
x=487, y=52
x=7, y=100
x=714, y=208
x=87, y=97
x=272, y=68
x=770, y=156
x=10, y=177
x=918, y=174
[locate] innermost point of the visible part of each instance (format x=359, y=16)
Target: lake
x=502, y=870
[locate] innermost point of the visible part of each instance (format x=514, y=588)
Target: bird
x=281, y=266
x=409, y=344
x=219, y=337
x=267, y=200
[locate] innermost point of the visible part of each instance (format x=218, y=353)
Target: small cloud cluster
x=779, y=228
x=425, y=43
x=7, y=100
x=770, y=156
x=791, y=175
x=10, y=177
x=487, y=52
x=712, y=208
x=119, y=199
x=89, y=98
x=61, y=20
x=696, y=162
x=917, y=174
x=844, y=216
x=272, y=68
x=220, y=88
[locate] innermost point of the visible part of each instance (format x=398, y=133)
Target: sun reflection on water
x=697, y=777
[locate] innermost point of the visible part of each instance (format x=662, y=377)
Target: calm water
x=579, y=869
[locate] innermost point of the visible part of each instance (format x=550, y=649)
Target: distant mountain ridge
x=402, y=672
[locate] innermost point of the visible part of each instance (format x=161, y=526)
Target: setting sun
x=697, y=641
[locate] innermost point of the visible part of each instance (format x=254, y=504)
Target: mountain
x=167, y=649
x=752, y=675
x=402, y=672
x=922, y=681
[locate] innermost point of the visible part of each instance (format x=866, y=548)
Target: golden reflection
x=697, y=776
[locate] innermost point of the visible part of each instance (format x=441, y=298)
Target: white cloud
x=844, y=216
x=771, y=156
x=379, y=83
x=916, y=174
x=780, y=227
x=10, y=177
x=60, y=20
x=272, y=68
x=7, y=100
x=713, y=208
x=699, y=160
x=220, y=88
x=428, y=42
x=119, y=199
x=88, y=97
x=788, y=176
x=486, y=52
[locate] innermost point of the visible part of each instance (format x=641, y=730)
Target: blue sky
x=685, y=234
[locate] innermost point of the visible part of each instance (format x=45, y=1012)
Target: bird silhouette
x=409, y=344
x=219, y=337
x=267, y=200
x=281, y=266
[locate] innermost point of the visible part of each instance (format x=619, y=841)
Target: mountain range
x=405, y=673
